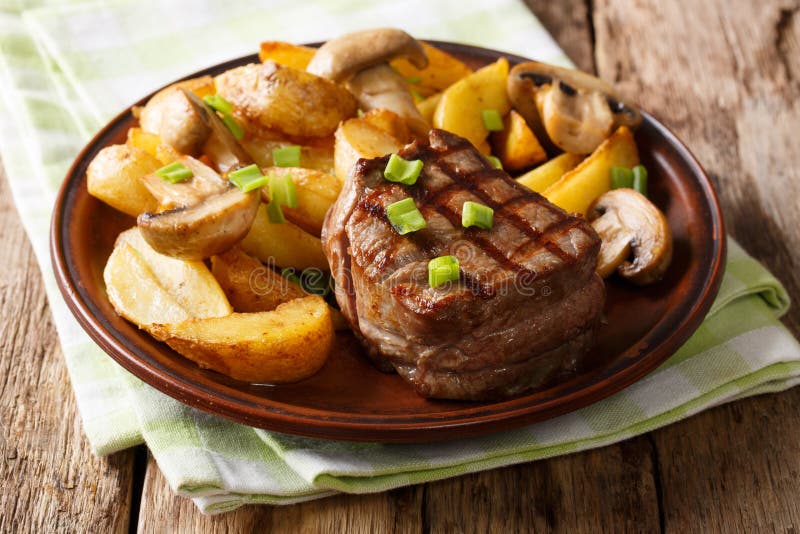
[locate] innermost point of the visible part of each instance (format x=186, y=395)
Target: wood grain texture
x=51, y=481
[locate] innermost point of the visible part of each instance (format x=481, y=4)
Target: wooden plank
x=395, y=511
x=51, y=481
x=726, y=80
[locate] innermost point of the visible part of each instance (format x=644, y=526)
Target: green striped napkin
x=66, y=69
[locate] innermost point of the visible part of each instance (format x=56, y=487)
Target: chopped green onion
x=288, y=156
x=275, y=214
x=621, y=177
x=360, y=112
x=218, y=103
x=234, y=126
x=316, y=282
x=492, y=120
x=174, y=172
x=281, y=193
x=474, y=214
x=248, y=178
x=640, y=179
x=496, y=163
x=405, y=217
x=289, y=274
x=413, y=79
x=417, y=95
x=402, y=171
x=442, y=270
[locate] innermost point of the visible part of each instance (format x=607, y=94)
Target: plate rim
x=382, y=427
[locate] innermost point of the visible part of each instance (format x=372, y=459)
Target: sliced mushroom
x=568, y=108
x=205, y=214
x=170, y=115
x=361, y=60
x=636, y=238
x=221, y=145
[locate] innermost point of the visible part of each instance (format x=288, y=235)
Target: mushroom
x=170, y=115
x=205, y=214
x=570, y=109
x=361, y=60
x=636, y=239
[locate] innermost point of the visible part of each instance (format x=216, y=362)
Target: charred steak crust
x=528, y=301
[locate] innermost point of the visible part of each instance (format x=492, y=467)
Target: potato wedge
x=316, y=192
x=443, y=70
x=547, y=174
x=285, y=345
x=290, y=100
x=251, y=286
x=115, y=177
x=287, y=54
x=578, y=188
x=390, y=122
x=190, y=283
x=516, y=145
x=459, y=110
x=145, y=140
x=428, y=106
x=317, y=155
x=284, y=245
x=357, y=138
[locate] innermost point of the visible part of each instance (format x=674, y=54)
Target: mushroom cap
x=636, y=238
x=342, y=57
x=170, y=115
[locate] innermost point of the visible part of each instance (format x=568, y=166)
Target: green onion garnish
x=640, y=179
x=413, y=79
x=492, y=120
x=288, y=156
x=275, y=214
x=442, y=270
x=474, y=214
x=405, y=217
x=281, y=193
x=234, y=126
x=218, y=103
x=316, y=282
x=496, y=163
x=248, y=178
x=417, y=95
x=621, y=177
x=289, y=274
x=174, y=172
x=402, y=171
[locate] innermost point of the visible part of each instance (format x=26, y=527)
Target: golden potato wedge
x=443, y=70
x=357, y=138
x=316, y=192
x=516, y=145
x=390, y=122
x=460, y=109
x=145, y=140
x=317, y=155
x=284, y=345
x=578, y=188
x=190, y=283
x=547, y=174
x=166, y=154
x=251, y=286
x=290, y=100
x=428, y=106
x=284, y=245
x=287, y=54
x=115, y=177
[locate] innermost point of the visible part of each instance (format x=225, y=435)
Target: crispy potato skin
x=287, y=54
x=443, y=70
x=516, y=145
x=578, y=188
x=360, y=138
x=290, y=100
x=280, y=346
x=316, y=192
x=249, y=285
x=548, y=173
x=115, y=177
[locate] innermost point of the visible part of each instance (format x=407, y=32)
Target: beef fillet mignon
x=528, y=301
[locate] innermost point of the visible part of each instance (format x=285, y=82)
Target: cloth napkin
x=65, y=69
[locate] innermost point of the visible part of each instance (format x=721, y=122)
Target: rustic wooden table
x=726, y=77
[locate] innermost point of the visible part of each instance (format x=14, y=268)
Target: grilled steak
x=527, y=303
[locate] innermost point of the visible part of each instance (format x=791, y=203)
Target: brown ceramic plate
x=349, y=399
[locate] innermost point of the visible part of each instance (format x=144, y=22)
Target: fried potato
x=516, y=145
x=316, y=191
x=316, y=154
x=390, y=122
x=578, y=188
x=428, y=106
x=290, y=100
x=547, y=174
x=284, y=245
x=115, y=177
x=357, y=138
x=459, y=110
x=145, y=140
x=287, y=54
x=251, y=286
x=285, y=345
x=443, y=70
x=146, y=287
